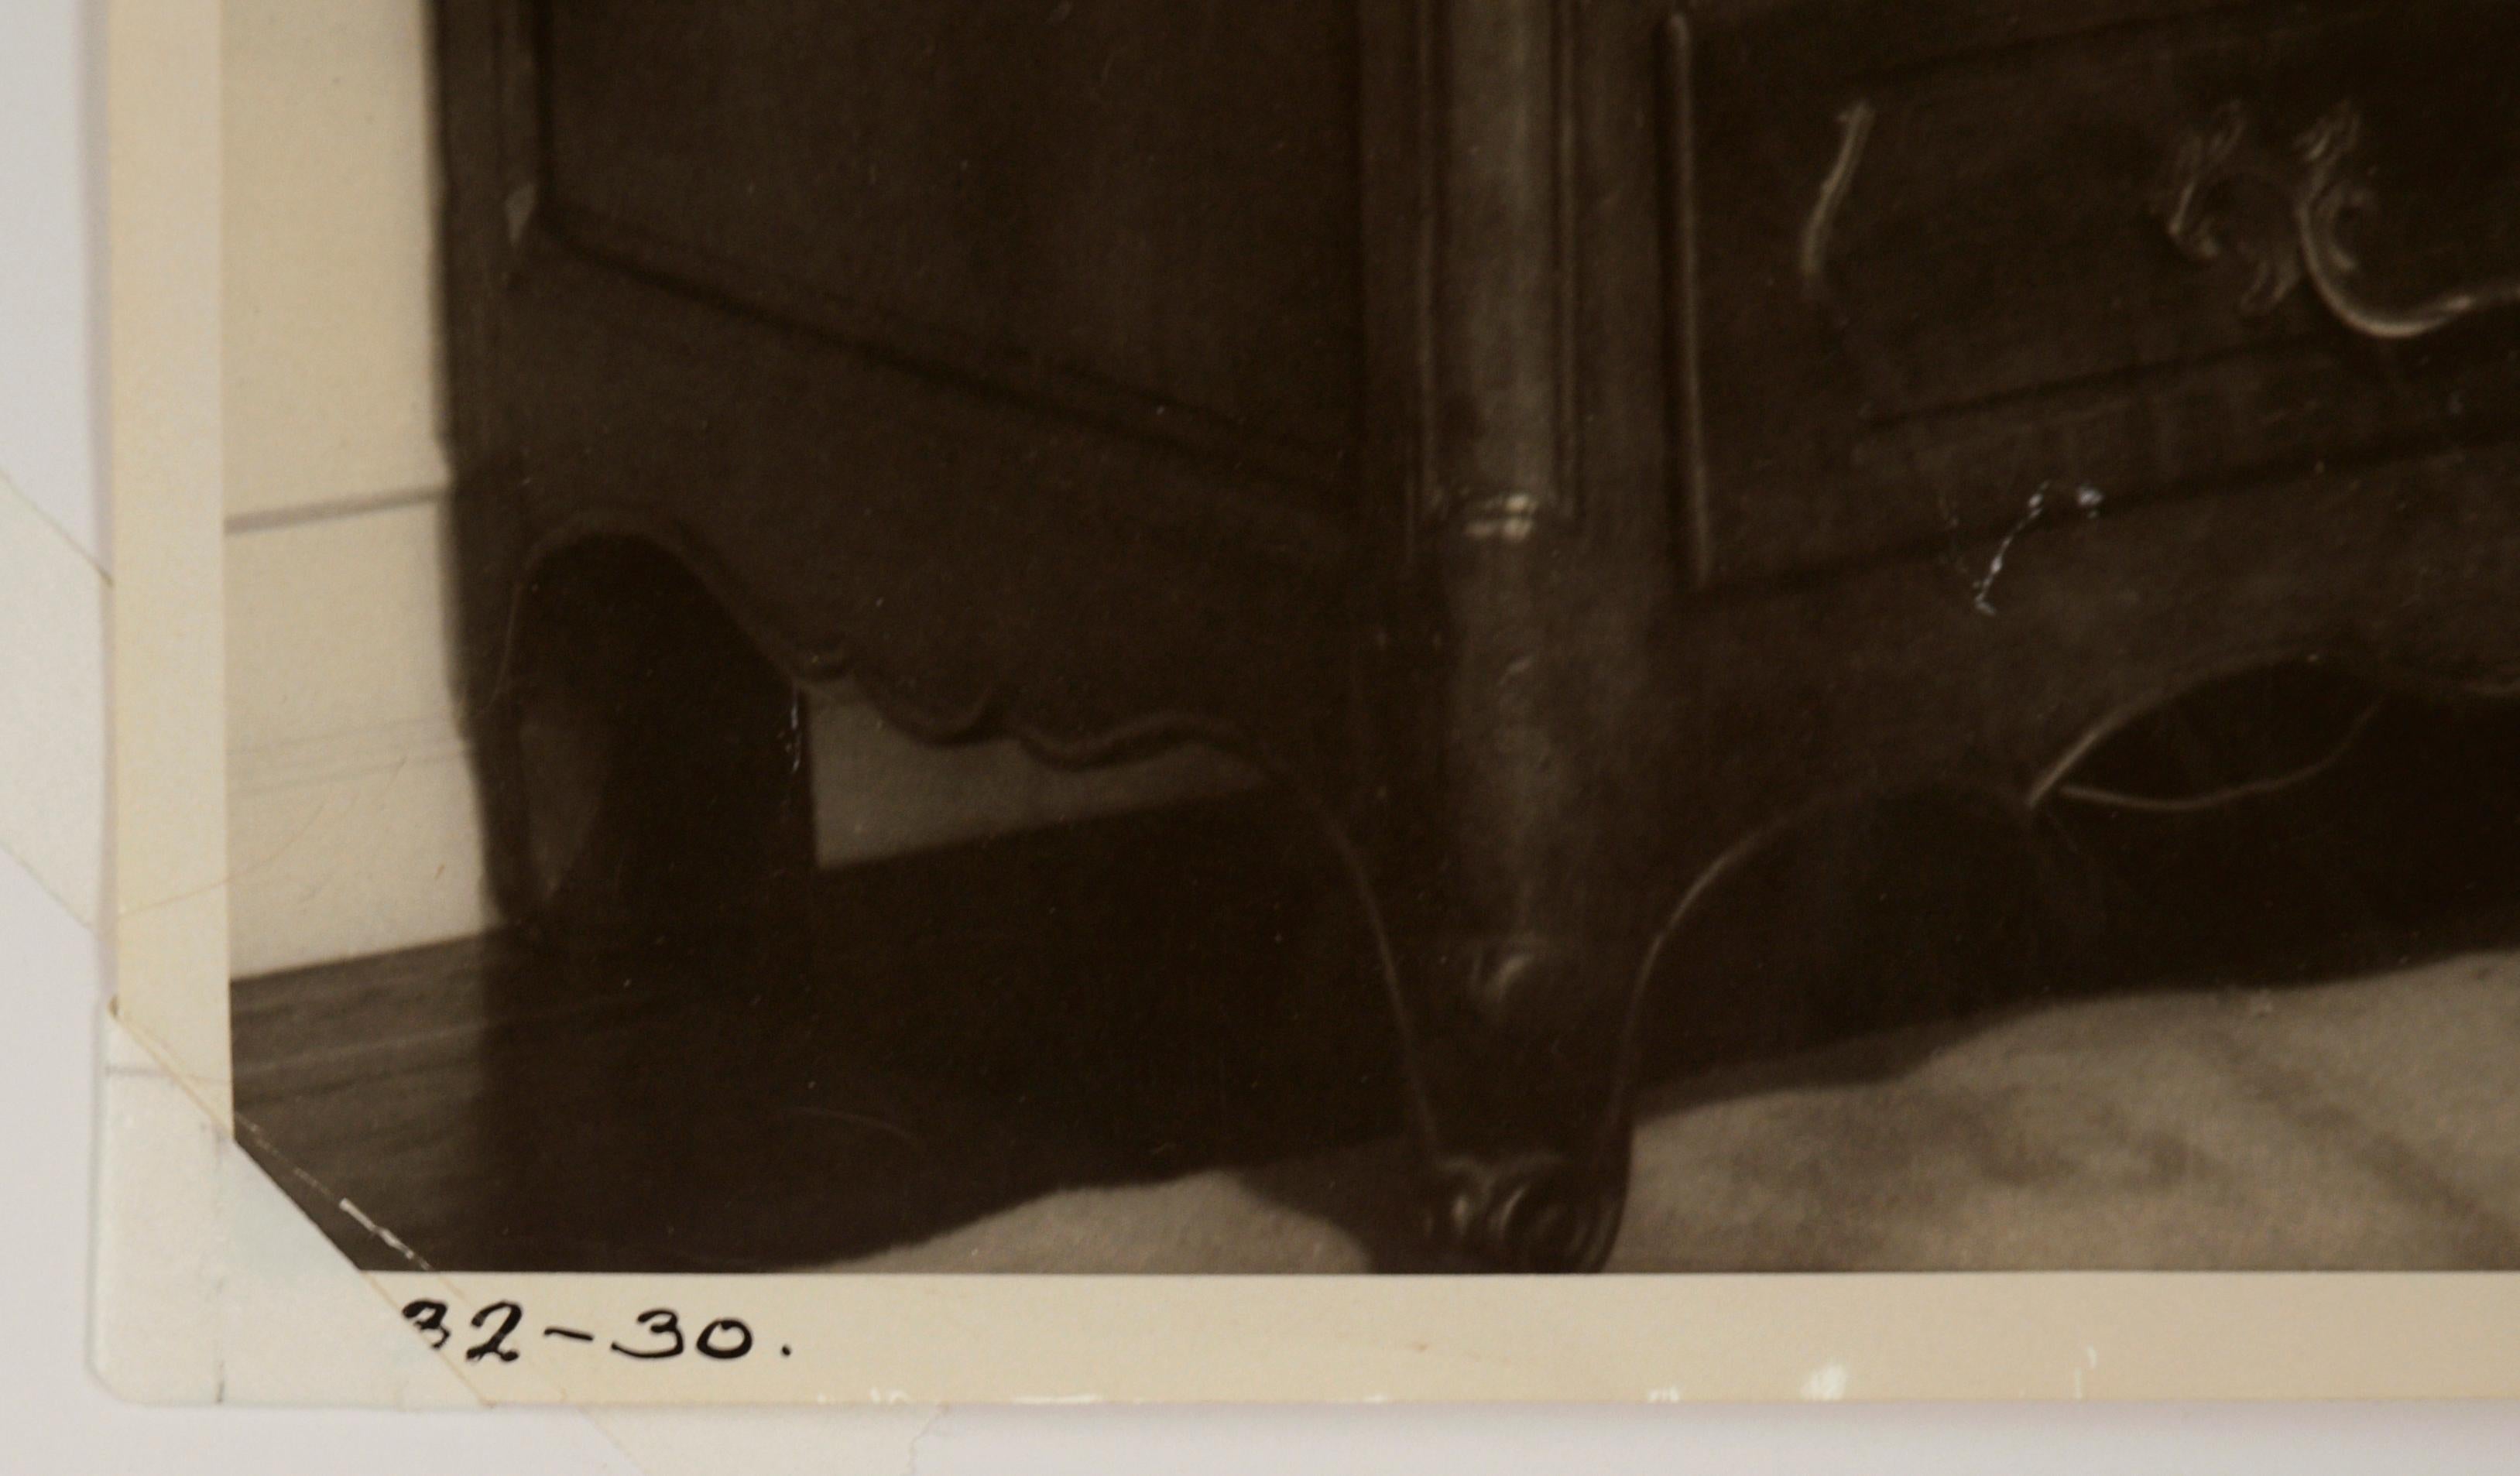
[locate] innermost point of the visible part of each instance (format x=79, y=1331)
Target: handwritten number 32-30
x=723, y=1339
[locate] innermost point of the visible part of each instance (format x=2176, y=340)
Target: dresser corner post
x=1517, y=867
x=1517, y=656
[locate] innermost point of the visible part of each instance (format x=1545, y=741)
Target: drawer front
x=1984, y=266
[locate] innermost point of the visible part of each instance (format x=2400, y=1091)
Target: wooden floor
x=976, y=1027
x=1129, y=1003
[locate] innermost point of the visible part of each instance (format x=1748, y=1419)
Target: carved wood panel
x=1951, y=293
x=1142, y=209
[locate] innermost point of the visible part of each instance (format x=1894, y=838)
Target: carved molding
x=1693, y=510
x=1854, y=131
x=1503, y=362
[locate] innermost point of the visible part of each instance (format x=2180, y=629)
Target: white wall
x=353, y=823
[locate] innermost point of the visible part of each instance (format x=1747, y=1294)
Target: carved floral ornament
x=2282, y=215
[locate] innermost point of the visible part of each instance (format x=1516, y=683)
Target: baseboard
x=364, y=842
x=879, y=793
x=354, y=820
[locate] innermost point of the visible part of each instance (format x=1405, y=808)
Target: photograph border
x=922, y=1338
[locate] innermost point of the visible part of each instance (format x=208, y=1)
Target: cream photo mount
x=211, y=1286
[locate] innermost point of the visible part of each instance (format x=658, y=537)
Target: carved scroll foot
x=1540, y=1212
x=1527, y=1099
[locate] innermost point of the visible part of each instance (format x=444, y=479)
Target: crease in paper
x=52, y=706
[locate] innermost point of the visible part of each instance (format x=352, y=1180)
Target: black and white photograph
x=1368, y=637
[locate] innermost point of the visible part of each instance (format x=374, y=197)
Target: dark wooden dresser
x=1564, y=443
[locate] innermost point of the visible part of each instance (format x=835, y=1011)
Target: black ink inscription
x=495, y=1344
x=724, y=1338
x=661, y=1321
x=428, y=1318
